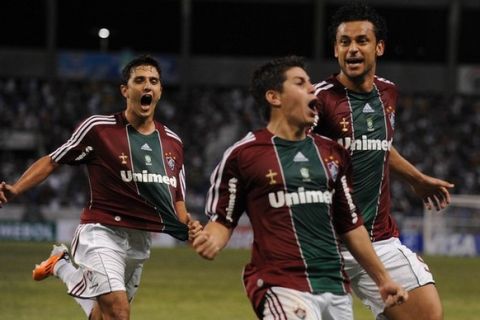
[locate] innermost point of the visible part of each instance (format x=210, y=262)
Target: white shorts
x=403, y=265
x=109, y=259
x=285, y=304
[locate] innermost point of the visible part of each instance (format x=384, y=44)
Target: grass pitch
x=177, y=284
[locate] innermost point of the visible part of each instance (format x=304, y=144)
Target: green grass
x=177, y=284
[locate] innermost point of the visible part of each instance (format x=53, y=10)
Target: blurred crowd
x=440, y=135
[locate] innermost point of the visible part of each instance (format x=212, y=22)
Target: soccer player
x=357, y=109
x=294, y=188
x=137, y=186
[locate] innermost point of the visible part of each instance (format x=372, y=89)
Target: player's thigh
x=423, y=304
x=138, y=252
x=403, y=265
x=101, y=254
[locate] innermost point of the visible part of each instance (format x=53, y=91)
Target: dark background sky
x=226, y=28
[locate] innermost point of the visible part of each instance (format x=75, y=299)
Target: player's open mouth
x=313, y=105
x=354, y=61
x=146, y=100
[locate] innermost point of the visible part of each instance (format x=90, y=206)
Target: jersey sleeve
x=79, y=148
x=346, y=215
x=226, y=196
x=180, y=194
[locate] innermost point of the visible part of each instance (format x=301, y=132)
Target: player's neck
x=286, y=131
x=361, y=84
x=142, y=125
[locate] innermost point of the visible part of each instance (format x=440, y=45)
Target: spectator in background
x=357, y=109
x=294, y=188
x=137, y=181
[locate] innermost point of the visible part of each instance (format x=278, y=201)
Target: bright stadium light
x=103, y=33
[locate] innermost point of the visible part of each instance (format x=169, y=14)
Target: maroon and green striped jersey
x=364, y=124
x=134, y=179
x=296, y=195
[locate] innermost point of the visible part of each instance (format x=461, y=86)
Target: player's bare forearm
x=358, y=243
x=34, y=175
x=434, y=192
x=401, y=167
x=182, y=212
x=211, y=240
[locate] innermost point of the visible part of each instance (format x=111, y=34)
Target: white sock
x=86, y=304
x=64, y=269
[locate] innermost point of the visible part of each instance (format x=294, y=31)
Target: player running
x=295, y=189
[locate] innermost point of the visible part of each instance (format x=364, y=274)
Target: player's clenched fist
x=194, y=228
x=6, y=193
x=213, y=238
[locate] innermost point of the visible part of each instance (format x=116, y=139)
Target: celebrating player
x=295, y=189
x=357, y=109
x=137, y=185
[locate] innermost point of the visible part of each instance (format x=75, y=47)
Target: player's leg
x=423, y=303
x=407, y=269
x=101, y=254
x=114, y=306
x=59, y=265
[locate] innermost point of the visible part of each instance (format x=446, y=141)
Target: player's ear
x=273, y=98
x=380, y=48
x=123, y=90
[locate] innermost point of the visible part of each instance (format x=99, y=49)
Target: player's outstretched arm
x=434, y=192
x=33, y=176
x=211, y=240
x=358, y=243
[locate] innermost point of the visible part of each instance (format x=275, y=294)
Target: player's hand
x=7, y=192
x=205, y=245
x=434, y=192
x=194, y=227
x=393, y=294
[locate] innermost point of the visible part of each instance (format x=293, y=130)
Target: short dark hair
x=271, y=76
x=143, y=60
x=358, y=11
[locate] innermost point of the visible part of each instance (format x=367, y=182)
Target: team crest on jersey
x=391, y=115
x=170, y=158
x=300, y=312
x=332, y=165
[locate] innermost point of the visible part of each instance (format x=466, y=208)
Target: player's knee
x=118, y=313
x=114, y=306
x=435, y=314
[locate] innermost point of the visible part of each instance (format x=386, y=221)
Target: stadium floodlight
x=103, y=35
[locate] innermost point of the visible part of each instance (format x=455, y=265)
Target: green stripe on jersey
x=303, y=171
x=148, y=160
x=369, y=125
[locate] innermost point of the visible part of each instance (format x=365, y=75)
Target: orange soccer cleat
x=45, y=268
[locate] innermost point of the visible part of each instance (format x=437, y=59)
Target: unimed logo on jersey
x=146, y=177
x=281, y=198
x=365, y=144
